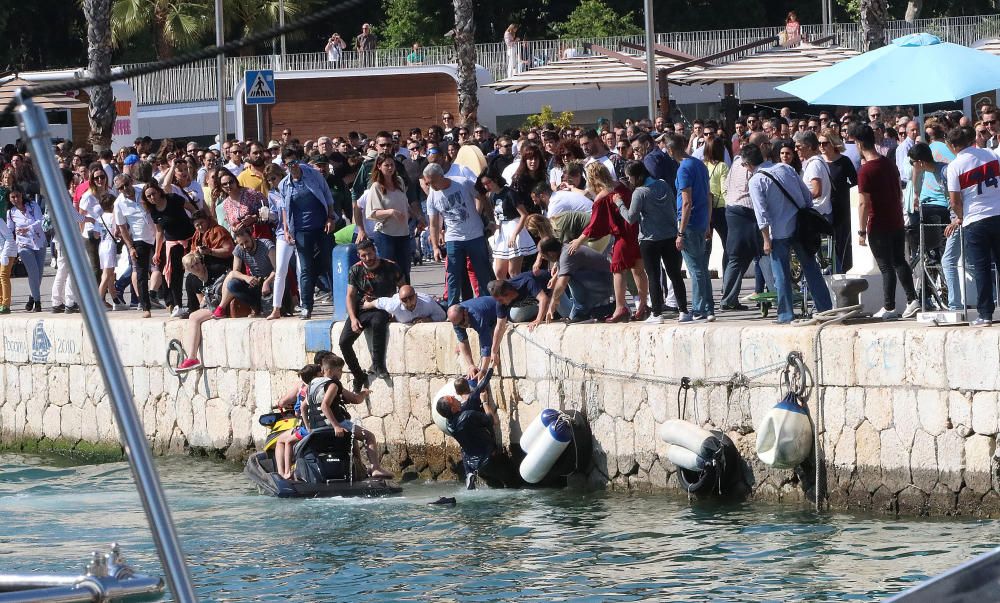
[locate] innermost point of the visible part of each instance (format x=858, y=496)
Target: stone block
x=89, y=431
x=984, y=412
x=661, y=403
x=905, y=416
x=633, y=397
x=612, y=397
x=420, y=348
x=924, y=350
x=66, y=337
x=854, y=407
x=261, y=357
x=844, y=451
x=879, y=356
x=17, y=339
x=58, y=386
x=932, y=407
x=287, y=349
x=52, y=423
x=128, y=335
x=837, y=345
x=153, y=334
x=12, y=384
x=766, y=345
x=448, y=361
x=419, y=399
x=106, y=427
x=979, y=451
x=513, y=352
x=77, y=377
x=688, y=357
x=960, y=411
x=972, y=356
x=894, y=460
x=70, y=422
x=395, y=356
x=140, y=383
x=868, y=446
x=923, y=461
x=950, y=459
x=834, y=408
x=879, y=407
x=238, y=335
x=213, y=343
x=218, y=427
x=643, y=428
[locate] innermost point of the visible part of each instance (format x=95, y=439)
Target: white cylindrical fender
x=545, y=418
x=441, y=422
x=545, y=450
x=682, y=457
x=688, y=435
x=785, y=437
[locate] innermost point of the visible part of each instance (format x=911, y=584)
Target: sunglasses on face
x=989, y=122
x=226, y=183
x=99, y=177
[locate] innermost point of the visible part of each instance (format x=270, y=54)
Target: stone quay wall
x=908, y=416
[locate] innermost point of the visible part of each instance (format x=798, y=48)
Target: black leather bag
x=810, y=225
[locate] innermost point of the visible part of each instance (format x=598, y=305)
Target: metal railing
x=196, y=82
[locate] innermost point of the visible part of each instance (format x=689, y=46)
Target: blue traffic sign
x=259, y=87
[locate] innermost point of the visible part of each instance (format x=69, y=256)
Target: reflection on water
x=494, y=545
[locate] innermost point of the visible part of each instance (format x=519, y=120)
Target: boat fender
x=441, y=422
x=688, y=435
x=685, y=459
x=545, y=450
x=545, y=418
x=785, y=437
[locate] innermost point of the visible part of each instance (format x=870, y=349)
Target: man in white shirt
x=559, y=202
x=815, y=172
x=709, y=131
x=408, y=307
x=912, y=129
x=974, y=192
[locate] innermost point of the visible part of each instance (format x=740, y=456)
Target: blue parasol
x=913, y=69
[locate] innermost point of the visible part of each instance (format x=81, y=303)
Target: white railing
x=196, y=82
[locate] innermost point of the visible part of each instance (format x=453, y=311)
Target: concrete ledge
x=908, y=416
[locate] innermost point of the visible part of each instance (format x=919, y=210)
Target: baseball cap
x=131, y=159
x=274, y=144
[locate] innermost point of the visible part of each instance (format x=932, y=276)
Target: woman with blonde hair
x=511, y=40
x=843, y=176
x=605, y=219
x=389, y=210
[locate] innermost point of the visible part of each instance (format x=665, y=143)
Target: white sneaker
x=179, y=312
x=710, y=318
x=654, y=319
x=52, y=263
x=684, y=317
x=886, y=314
x=911, y=309
x=119, y=307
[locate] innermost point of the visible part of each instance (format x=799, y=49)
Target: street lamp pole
x=650, y=61
x=220, y=73
x=281, y=22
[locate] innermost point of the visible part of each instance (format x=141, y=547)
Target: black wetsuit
x=473, y=429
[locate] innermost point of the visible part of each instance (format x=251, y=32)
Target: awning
x=46, y=101
x=990, y=45
x=775, y=64
x=588, y=71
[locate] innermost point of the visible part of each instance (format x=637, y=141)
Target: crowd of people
x=583, y=216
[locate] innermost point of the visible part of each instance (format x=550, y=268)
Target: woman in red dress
x=605, y=219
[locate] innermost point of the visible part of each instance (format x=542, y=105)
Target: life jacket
x=314, y=412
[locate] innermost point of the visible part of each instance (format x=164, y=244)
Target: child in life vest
x=294, y=399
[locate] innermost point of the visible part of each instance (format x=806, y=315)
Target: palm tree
x=245, y=17
x=102, y=99
x=174, y=24
x=465, y=48
x=874, y=17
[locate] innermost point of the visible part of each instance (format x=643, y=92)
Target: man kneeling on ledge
x=472, y=423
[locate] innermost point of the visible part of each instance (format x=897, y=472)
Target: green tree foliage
x=594, y=18
x=409, y=21
x=42, y=34
x=548, y=116
x=174, y=24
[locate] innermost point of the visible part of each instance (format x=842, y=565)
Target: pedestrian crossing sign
x=259, y=87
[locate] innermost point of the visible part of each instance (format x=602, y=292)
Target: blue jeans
x=474, y=250
x=696, y=260
x=949, y=266
x=312, y=249
x=588, y=291
x=781, y=263
x=396, y=249
x=34, y=263
x=982, y=244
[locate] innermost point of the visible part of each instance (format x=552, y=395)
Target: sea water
x=494, y=545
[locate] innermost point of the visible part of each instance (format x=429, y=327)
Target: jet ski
x=325, y=465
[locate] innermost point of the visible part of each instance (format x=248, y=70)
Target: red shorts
x=624, y=255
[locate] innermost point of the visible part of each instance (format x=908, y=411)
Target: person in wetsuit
x=473, y=426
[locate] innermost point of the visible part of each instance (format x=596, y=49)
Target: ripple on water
x=494, y=545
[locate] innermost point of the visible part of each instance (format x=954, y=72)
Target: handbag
x=810, y=225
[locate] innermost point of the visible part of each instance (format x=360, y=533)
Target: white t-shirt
x=133, y=213
x=815, y=168
x=566, y=201
x=457, y=170
x=426, y=308
x=607, y=163
x=193, y=193
x=457, y=205
x=90, y=207
x=362, y=205
x=976, y=174
x=508, y=172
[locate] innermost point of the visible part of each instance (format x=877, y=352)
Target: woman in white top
x=389, y=209
x=8, y=252
x=24, y=219
x=90, y=209
x=334, y=48
x=107, y=251
x=511, y=242
x=284, y=242
x=510, y=39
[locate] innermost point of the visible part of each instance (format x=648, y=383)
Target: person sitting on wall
x=408, y=307
x=371, y=278
x=472, y=424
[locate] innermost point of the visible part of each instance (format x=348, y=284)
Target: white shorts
x=107, y=252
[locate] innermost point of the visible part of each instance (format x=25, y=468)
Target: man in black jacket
x=471, y=425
